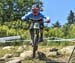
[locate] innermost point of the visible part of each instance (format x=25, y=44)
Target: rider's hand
x=48, y=21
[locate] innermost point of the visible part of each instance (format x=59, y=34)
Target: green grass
x=3, y=52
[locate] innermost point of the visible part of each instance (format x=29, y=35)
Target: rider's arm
x=46, y=18
x=25, y=17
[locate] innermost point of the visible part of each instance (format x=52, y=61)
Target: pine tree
x=71, y=18
x=57, y=24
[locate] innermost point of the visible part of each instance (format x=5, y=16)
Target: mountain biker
x=35, y=15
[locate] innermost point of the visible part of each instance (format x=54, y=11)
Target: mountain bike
x=36, y=32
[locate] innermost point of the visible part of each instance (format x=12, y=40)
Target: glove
x=48, y=21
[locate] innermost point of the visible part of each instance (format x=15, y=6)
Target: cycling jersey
x=33, y=17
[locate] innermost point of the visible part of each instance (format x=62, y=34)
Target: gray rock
x=21, y=48
x=2, y=59
x=66, y=50
x=53, y=49
x=7, y=56
x=54, y=53
x=14, y=61
x=8, y=47
x=26, y=54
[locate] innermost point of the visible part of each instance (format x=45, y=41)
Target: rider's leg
x=41, y=35
x=32, y=35
x=37, y=36
x=41, y=32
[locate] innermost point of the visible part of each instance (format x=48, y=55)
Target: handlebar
x=40, y=21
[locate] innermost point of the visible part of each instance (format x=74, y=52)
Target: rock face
x=66, y=50
x=26, y=54
x=8, y=48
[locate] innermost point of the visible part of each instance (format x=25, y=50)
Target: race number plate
x=36, y=25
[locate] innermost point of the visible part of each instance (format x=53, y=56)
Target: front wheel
x=34, y=50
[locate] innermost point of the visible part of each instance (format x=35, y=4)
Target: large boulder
x=8, y=47
x=66, y=50
x=26, y=54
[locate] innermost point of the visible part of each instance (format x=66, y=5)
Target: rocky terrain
x=23, y=54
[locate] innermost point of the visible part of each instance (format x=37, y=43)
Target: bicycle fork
x=35, y=42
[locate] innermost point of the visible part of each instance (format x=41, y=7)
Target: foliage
x=11, y=24
x=14, y=9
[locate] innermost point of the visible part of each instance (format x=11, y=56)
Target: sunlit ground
x=50, y=59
